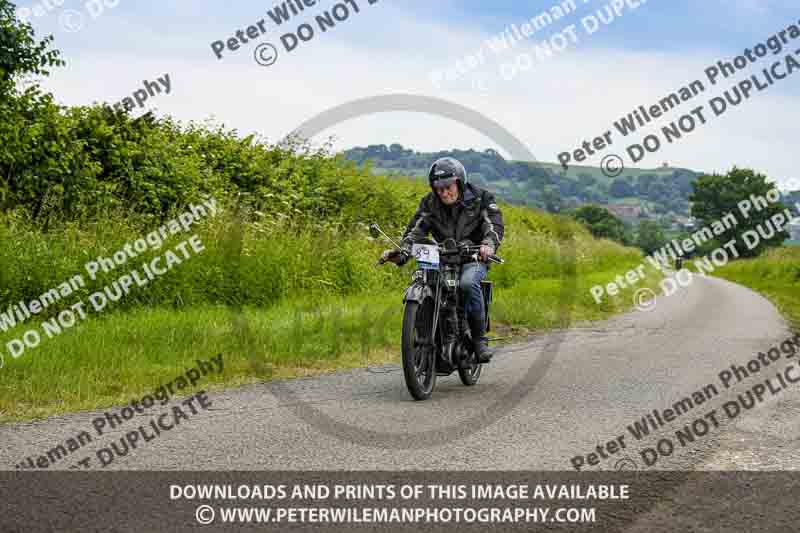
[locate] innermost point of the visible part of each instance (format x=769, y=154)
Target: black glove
x=405, y=255
x=398, y=256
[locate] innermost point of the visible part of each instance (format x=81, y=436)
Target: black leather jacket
x=475, y=217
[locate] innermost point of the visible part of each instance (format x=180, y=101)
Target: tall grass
x=268, y=263
x=309, y=292
x=775, y=274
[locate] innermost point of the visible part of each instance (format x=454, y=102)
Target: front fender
x=417, y=292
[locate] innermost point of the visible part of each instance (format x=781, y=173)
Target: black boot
x=482, y=351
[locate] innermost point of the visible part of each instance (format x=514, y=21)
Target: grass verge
x=114, y=359
x=776, y=275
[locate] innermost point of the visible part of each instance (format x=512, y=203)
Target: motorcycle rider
x=459, y=210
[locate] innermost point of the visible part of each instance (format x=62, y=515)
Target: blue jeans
x=471, y=276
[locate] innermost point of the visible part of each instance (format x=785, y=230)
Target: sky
x=552, y=104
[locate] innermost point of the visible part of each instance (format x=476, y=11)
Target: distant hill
x=635, y=194
x=792, y=198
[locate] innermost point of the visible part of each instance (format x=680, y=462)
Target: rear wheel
x=469, y=376
x=419, y=350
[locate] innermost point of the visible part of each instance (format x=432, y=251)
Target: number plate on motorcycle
x=426, y=255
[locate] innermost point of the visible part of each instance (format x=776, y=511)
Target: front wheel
x=419, y=349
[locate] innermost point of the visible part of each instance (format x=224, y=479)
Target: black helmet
x=445, y=171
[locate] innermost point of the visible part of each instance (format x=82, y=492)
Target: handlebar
x=462, y=250
x=469, y=250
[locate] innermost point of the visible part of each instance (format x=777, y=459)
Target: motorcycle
x=436, y=339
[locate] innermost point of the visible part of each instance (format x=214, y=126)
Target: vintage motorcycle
x=436, y=337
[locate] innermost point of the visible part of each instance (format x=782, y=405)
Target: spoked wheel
x=469, y=376
x=419, y=350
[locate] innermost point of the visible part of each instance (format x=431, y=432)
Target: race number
x=426, y=253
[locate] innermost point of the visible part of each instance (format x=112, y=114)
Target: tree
x=35, y=147
x=682, y=180
x=644, y=182
x=621, y=189
x=650, y=236
x=717, y=195
x=567, y=187
x=602, y=223
x=395, y=152
x=20, y=54
x=551, y=199
x=658, y=192
x=586, y=180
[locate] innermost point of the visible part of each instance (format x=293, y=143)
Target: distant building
x=625, y=211
x=682, y=223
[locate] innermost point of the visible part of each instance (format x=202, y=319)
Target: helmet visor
x=443, y=183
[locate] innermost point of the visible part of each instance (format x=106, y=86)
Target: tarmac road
x=604, y=377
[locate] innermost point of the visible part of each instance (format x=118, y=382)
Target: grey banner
x=443, y=501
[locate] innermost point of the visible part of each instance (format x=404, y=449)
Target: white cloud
x=552, y=108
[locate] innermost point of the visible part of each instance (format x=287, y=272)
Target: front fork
x=451, y=329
